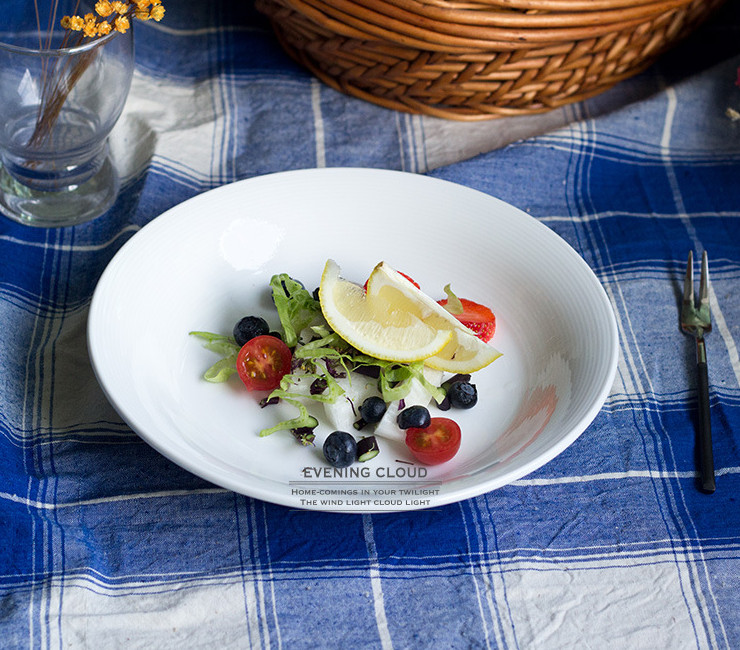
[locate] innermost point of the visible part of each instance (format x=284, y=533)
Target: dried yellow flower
x=104, y=8
x=76, y=23
x=91, y=25
x=121, y=24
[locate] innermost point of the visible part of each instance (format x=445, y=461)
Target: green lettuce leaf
x=227, y=348
x=303, y=420
x=295, y=306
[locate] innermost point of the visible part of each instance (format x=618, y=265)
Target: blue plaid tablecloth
x=104, y=543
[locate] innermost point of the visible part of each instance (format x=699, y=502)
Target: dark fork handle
x=706, y=457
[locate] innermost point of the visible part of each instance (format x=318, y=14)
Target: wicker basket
x=479, y=59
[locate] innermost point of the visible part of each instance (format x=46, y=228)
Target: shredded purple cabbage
x=318, y=386
x=335, y=369
x=368, y=371
x=304, y=435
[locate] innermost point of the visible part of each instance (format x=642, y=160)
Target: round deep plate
x=207, y=262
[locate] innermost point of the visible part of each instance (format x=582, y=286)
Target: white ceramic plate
x=207, y=262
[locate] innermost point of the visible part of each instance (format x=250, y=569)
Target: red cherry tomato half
x=263, y=362
x=435, y=444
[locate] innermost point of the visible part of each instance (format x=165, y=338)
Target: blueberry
x=414, y=416
x=250, y=327
x=462, y=394
x=340, y=449
x=372, y=409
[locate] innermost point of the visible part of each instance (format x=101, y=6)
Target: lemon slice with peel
x=465, y=352
x=374, y=325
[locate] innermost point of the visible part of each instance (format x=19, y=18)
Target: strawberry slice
x=476, y=317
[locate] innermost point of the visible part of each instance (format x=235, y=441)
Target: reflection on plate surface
x=207, y=262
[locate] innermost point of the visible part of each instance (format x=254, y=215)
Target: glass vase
x=59, y=101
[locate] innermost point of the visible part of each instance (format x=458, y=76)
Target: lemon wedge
x=464, y=353
x=374, y=325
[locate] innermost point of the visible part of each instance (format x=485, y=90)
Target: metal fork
x=696, y=320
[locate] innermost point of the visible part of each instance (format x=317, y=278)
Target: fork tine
x=688, y=283
x=703, y=282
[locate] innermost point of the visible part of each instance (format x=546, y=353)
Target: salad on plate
x=376, y=356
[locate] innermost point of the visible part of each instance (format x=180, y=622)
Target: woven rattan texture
x=481, y=59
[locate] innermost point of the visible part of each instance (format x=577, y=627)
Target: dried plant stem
x=55, y=90
x=56, y=84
